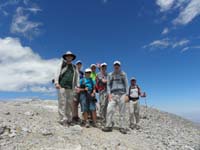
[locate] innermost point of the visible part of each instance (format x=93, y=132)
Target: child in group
x=87, y=98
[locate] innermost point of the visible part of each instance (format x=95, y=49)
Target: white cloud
x=189, y=13
x=33, y=9
x=22, y=69
x=21, y=23
x=5, y=4
x=185, y=49
x=187, y=9
x=167, y=43
x=191, y=47
x=5, y=13
x=165, y=4
x=42, y=89
x=165, y=31
x=180, y=43
x=158, y=44
x=26, y=2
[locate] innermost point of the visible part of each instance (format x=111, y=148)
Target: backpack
x=129, y=93
x=122, y=78
x=99, y=85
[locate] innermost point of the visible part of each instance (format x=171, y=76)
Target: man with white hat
x=117, y=88
x=101, y=87
x=66, y=81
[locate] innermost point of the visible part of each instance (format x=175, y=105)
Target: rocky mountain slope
x=32, y=125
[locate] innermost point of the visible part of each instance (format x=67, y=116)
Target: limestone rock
x=33, y=125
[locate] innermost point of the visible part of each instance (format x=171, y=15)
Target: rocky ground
x=32, y=125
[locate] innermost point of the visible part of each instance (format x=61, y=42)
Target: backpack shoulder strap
x=112, y=78
x=129, y=90
x=83, y=81
x=74, y=66
x=91, y=82
x=122, y=74
x=139, y=92
x=63, y=64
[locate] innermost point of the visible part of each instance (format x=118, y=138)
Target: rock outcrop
x=32, y=125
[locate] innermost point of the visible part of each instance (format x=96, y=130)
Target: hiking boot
x=132, y=126
x=113, y=124
x=63, y=123
x=99, y=118
x=87, y=124
x=76, y=120
x=122, y=130
x=83, y=122
x=137, y=127
x=107, y=129
x=94, y=124
x=60, y=122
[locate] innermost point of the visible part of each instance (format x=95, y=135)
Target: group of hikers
x=76, y=87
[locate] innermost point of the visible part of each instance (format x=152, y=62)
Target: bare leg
x=94, y=116
x=85, y=116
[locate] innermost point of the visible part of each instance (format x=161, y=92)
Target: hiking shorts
x=85, y=106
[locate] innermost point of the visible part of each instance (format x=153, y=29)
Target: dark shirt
x=81, y=74
x=67, y=77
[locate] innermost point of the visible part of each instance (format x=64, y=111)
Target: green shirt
x=67, y=77
x=93, y=75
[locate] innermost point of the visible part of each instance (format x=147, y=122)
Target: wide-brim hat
x=69, y=53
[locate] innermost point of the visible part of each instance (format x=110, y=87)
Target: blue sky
x=156, y=41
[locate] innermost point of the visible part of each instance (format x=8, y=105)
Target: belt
x=133, y=99
x=118, y=91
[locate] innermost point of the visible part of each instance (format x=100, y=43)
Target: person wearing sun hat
x=76, y=101
x=79, y=65
x=87, y=98
x=66, y=81
x=101, y=87
x=117, y=88
x=93, y=73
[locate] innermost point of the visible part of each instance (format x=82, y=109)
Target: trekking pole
x=145, y=100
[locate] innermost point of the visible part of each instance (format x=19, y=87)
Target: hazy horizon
x=192, y=116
